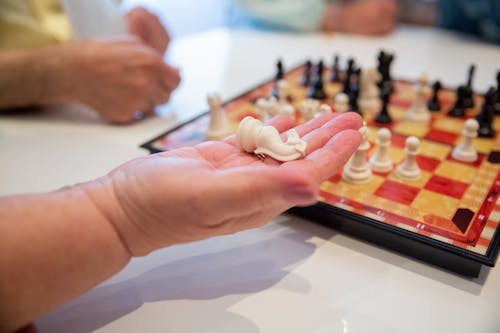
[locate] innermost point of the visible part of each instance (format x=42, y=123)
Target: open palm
x=214, y=188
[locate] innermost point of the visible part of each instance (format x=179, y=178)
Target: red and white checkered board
x=453, y=202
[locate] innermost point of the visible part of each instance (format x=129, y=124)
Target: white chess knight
x=95, y=18
x=418, y=111
x=253, y=137
x=380, y=161
x=369, y=95
x=465, y=151
x=219, y=126
x=409, y=169
x=357, y=169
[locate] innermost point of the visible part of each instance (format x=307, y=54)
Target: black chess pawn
x=335, y=77
x=434, y=104
x=319, y=69
x=469, y=92
x=348, y=76
x=497, y=103
x=280, y=74
x=384, y=116
x=317, y=89
x=354, y=91
x=353, y=101
x=306, y=77
x=458, y=109
x=487, y=115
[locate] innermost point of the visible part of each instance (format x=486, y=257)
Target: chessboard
x=448, y=217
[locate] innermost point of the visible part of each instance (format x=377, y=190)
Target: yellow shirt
x=32, y=23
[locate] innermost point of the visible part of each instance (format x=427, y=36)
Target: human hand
x=117, y=78
x=148, y=27
x=366, y=17
x=214, y=188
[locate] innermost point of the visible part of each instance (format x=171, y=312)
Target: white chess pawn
x=282, y=91
x=308, y=108
x=418, y=111
x=409, y=169
x=357, y=169
x=283, y=107
x=465, y=151
x=380, y=160
x=267, y=107
x=219, y=127
x=341, y=103
x=261, y=106
x=369, y=95
x=323, y=109
x=423, y=81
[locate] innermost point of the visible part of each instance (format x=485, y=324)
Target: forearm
x=30, y=77
x=53, y=247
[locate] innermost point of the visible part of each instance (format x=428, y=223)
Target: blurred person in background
x=120, y=78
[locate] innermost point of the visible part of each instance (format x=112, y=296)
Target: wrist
x=126, y=219
x=54, y=67
x=103, y=201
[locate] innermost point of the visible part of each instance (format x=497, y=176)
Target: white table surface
x=290, y=276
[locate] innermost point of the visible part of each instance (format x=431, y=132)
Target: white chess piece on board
x=261, y=107
x=380, y=160
x=219, y=126
x=409, y=169
x=369, y=95
x=283, y=107
x=323, y=109
x=308, y=108
x=341, y=102
x=419, y=112
x=465, y=151
x=357, y=169
x=253, y=137
x=95, y=18
x=267, y=107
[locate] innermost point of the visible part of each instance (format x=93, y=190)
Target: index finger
x=326, y=161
